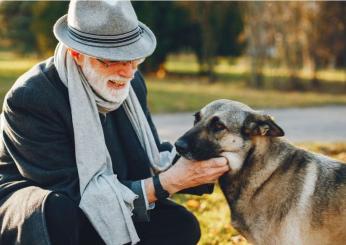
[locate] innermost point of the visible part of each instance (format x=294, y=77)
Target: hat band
x=105, y=40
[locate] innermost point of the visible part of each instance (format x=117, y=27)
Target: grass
x=187, y=64
x=172, y=95
x=190, y=93
x=214, y=215
x=182, y=90
x=11, y=67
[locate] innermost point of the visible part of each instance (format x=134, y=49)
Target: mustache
x=118, y=78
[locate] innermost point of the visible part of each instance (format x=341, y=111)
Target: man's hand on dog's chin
x=186, y=173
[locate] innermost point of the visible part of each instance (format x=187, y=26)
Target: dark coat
x=37, y=151
x=37, y=154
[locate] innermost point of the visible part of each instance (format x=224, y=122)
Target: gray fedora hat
x=106, y=29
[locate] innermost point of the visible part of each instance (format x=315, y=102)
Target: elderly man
x=80, y=159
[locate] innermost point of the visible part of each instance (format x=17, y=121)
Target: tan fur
x=296, y=227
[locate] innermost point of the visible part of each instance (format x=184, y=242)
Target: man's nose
x=127, y=69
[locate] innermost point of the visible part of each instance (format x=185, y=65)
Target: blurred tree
x=277, y=33
x=290, y=20
x=295, y=35
x=172, y=28
x=219, y=25
x=209, y=29
x=44, y=15
x=328, y=39
x=258, y=40
x=15, y=23
x=28, y=25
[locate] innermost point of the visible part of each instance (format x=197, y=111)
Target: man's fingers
x=214, y=178
x=220, y=161
x=219, y=171
x=214, y=162
x=212, y=171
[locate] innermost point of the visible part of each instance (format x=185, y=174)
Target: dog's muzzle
x=181, y=146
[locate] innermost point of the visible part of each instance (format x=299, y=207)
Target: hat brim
x=141, y=48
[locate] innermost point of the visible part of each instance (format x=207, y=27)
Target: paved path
x=325, y=124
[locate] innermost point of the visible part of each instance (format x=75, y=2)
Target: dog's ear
x=261, y=125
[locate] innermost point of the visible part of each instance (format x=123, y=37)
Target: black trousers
x=170, y=224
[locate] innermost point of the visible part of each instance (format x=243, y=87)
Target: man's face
x=110, y=80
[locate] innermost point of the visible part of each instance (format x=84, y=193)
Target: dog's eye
x=197, y=116
x=217, y=125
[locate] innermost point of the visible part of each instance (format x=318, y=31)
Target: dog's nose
x=181, y=146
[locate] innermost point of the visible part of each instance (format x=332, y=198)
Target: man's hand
x=186, y=173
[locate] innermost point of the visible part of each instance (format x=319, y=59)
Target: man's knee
x=188, y=231
x=190, y=228
x=67, y=224
x=170, y=224
x=59, y=208
x=61, y=215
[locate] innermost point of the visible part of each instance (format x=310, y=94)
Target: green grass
x=189, y=93
x=171, y=95
x=239, y=67
x=214, y=215
x=11, y=67
x=183, y=90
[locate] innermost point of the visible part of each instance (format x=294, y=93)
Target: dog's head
x=225, y=128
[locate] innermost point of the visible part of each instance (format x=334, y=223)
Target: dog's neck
x=239, y=188
x=258, y=164
x=235, y=160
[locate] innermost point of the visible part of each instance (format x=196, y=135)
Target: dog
x=278, y=193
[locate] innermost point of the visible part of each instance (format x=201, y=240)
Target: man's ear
x=78, y=57
x=261, y=125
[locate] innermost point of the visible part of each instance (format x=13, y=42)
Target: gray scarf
x=107, y=203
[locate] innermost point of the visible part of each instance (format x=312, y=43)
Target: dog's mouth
x=197, y=150
x=199, y=156
x=187, y=156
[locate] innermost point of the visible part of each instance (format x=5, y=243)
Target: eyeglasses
x=107, y=63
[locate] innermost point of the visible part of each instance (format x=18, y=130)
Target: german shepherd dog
x=278, y=193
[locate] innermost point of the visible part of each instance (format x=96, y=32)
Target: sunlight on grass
x=12, y=62
x=183, y=94
x=214, y=215
x=240, y=66
x=19, y=66
x=11, y=67
x=171, y=95
x=335, y=150
x=325, y=75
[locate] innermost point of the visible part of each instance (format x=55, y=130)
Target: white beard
x=98, y=83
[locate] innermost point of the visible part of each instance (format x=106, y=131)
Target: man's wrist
x=149, y=188
x=160, y=192
x=168, y=183
x=148, y=205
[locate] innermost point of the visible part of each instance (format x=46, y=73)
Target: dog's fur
x=278, y=193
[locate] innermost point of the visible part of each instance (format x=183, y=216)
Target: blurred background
x=269, y=55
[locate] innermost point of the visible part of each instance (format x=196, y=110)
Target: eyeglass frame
x=107, y=64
